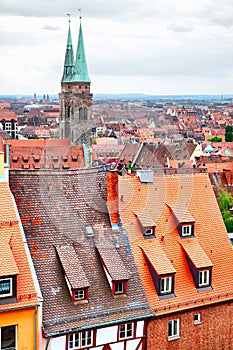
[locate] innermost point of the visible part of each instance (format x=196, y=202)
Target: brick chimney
x=112, y=198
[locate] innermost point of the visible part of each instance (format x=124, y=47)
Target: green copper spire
x=81, y=72
x=69, y=61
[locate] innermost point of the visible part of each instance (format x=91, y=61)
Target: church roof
x=69, y=60
x=80, y=70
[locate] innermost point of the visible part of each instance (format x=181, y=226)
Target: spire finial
x=80, y=16
x=68, y=15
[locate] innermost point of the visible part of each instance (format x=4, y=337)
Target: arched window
x=85, y=113
x=81, y=113
x=68, y=112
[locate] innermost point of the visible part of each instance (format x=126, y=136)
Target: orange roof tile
x=13, y=256
x=194, y=193
x=7, y=262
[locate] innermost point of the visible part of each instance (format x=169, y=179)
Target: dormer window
x=80, y=294
x=149, y=232
x=6, y=287
x=166, y=285
x=119, y=287
x=204, y=278
x=186, y=230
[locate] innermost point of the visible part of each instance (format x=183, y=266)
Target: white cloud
x=130, y=45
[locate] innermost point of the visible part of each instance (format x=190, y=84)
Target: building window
x=80, y=294
x=186, y=230
x=6, y=289
x=118, y=287
x=8, y=338
x=166, y=285
x=8, y=126
x=80, y=340
x=149, y=232
x=197, y=319
x=173, y=329
x=126, y=330
x=204, y=278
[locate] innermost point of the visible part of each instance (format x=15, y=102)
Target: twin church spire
x=75, y=71
x=75, y=96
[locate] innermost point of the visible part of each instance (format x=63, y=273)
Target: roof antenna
x=117, y=243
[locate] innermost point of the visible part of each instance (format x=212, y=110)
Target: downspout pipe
x=35, y=327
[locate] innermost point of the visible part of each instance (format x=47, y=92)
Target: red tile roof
x=45, y=154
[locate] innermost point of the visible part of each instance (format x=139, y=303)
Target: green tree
x=225, y=201
x=215, y=139
x=228, y=133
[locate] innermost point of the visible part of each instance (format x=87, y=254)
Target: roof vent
x=146, y=176
x=89, y=231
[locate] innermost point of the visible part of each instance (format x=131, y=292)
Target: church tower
x=75, y=96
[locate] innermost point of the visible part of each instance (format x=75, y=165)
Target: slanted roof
x=196, y=253
x=194, y=192
x=157, y=257
x=72, y=267
x=113, y=262
x=8, y=266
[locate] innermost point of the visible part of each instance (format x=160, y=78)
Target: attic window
x=149, y=232
x=6, y=287
x=80, y=294
x=204, y=278
x=187, y=230
x=25, y=158
x=166, y=285
x=74, y=158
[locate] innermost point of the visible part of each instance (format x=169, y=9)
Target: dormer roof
x=196, y=253
x=157, y=257
x=72, y=267
x=113, y=262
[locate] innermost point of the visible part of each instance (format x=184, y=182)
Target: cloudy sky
x=151, y=46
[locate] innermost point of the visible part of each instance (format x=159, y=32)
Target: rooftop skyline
x=161, y=47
